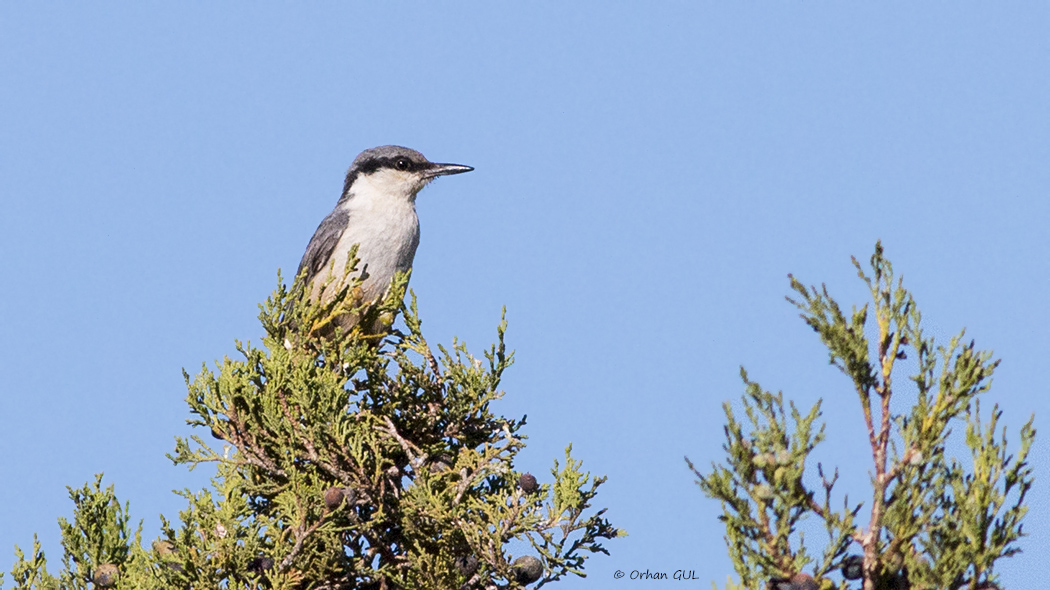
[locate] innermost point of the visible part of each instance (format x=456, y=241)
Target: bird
x=376, y=212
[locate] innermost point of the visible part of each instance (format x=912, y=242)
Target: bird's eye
x=402, y=164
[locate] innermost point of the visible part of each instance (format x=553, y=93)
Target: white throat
x=384, y=224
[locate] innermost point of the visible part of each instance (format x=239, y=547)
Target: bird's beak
x=436, y=170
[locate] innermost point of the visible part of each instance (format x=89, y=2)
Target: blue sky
x=646, y=177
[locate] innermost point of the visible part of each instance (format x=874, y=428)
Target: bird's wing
x=321, y=246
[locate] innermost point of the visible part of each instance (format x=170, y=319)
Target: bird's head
x=395, y=170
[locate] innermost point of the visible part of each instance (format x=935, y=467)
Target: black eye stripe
x=396, y=163
x=370, y=165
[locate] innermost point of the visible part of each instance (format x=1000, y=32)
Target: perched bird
x=377, y=212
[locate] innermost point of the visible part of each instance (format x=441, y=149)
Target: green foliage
x=98, y=535
x=762, y=486
x=32, y=572
x=933, y=522
x=345, y=459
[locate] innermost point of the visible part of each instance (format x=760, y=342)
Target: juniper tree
x=349, y=460
x=933, y=521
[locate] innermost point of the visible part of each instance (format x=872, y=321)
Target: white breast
x=385, y=226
